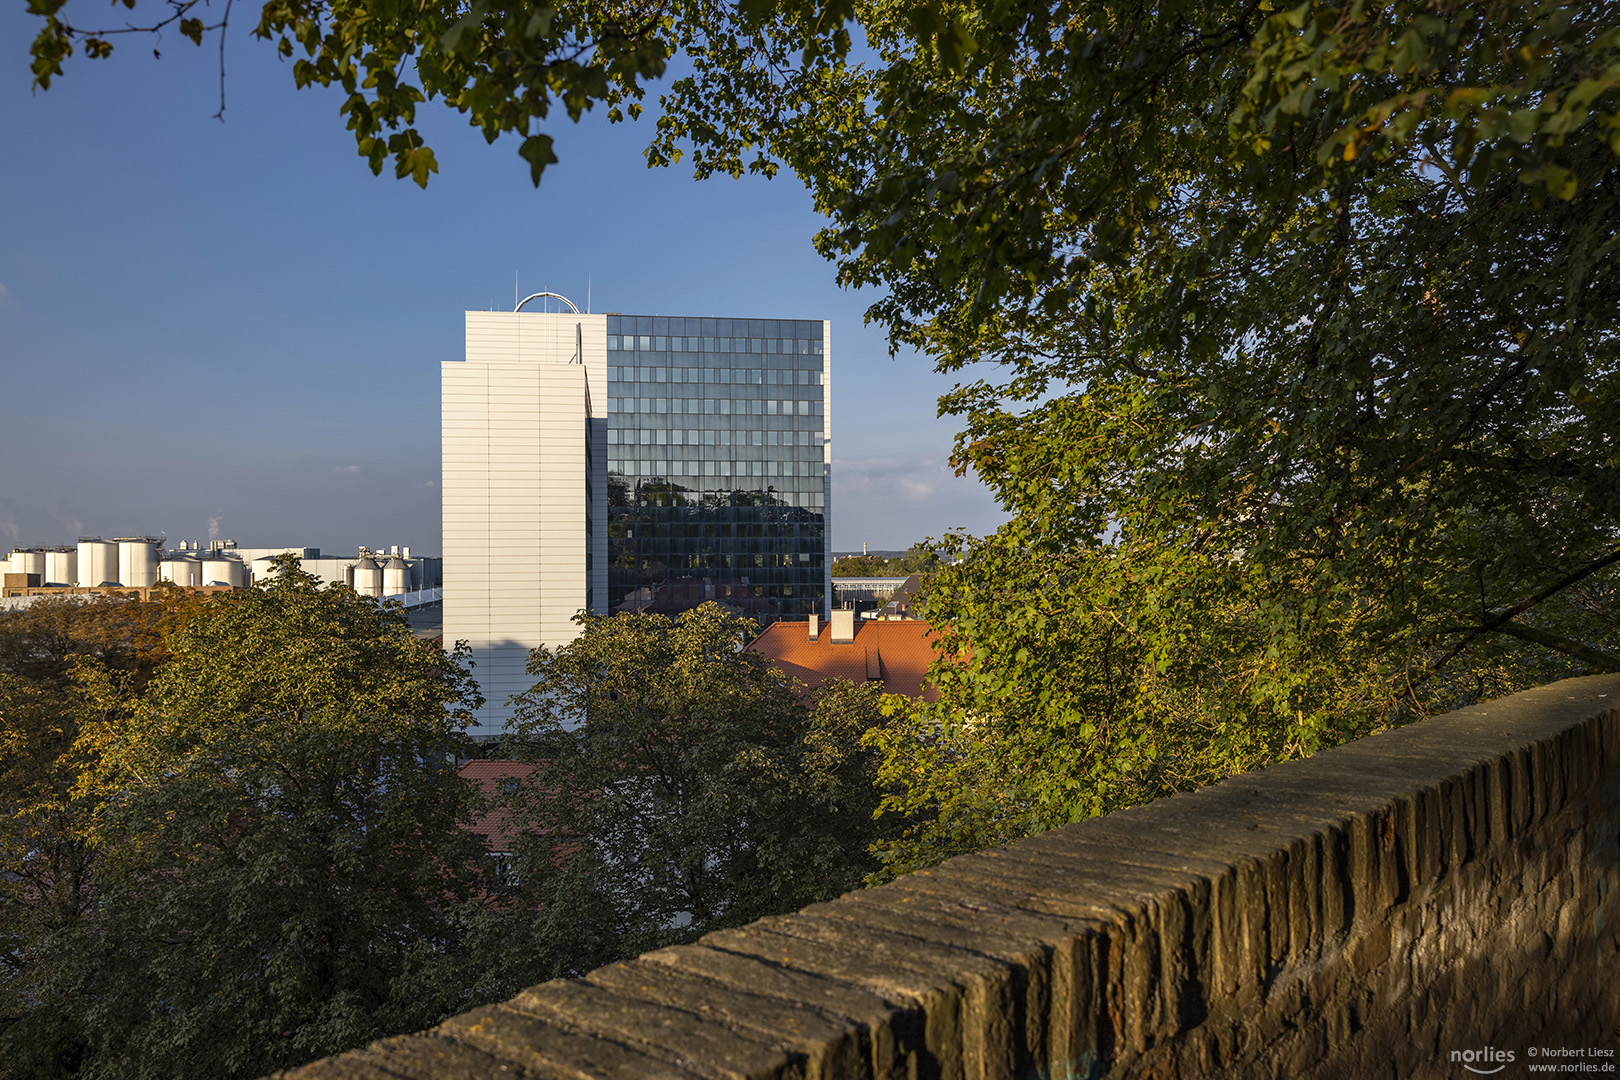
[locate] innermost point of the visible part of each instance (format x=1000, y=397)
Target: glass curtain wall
x=717, y=481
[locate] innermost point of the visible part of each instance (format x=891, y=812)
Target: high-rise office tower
x=629, y=463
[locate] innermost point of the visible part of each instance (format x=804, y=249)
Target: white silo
x=98, y=562
x=219, y=569
x=396, y=577
x=28, y=561
x=137, y=561
x=368, y=577
x=264, y=569
x=181, y=570
x=61, y=566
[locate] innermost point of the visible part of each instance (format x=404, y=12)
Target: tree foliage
x=1306, y=326
x=683, y=784
x=235, y=846
x=65, y=665
x=503, y=65
x=917, y=559
x=283, y=829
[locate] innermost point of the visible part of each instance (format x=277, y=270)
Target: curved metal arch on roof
x=554, y=296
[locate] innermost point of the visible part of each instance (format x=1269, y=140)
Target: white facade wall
x=521, y=507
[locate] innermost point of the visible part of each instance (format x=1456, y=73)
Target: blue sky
x=237, y=323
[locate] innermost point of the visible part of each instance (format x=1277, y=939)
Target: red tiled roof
x=493, y=826
x=895, y=653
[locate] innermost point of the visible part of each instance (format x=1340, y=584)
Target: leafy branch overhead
x=503, y=66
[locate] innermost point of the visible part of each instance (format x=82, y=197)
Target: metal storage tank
x=180, y=570
x=219, y=570
x=137, y=561
x=368, y=578
x=28, y=561
x=98, y=562
x=396, y=577
x=61, y=566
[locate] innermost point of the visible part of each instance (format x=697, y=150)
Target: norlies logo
x=1484, y=1061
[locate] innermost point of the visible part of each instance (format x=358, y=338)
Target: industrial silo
x=28, y=561
x=98, y=562
x=61, y=566
x=264, y=568
x=137, y=561
x=220, y=569
x=396, y=577
x=181, y=570
x=368, y=577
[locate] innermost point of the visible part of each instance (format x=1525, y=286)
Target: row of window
x=759, y=346
x=765, y=566
x=662, y=373
x=780, y=496
x=663, y=498
x=716, y=406
x=674, y=536
x=810, y=329
x=640, y=467
x=810, y=440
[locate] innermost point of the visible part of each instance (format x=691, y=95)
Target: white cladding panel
x=518, y=430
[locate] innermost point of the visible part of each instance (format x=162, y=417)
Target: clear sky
x=237, y=324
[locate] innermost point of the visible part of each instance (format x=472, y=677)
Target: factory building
x=629, y=463
x=139, y=562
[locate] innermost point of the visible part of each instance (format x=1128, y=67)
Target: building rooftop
x=896, y=653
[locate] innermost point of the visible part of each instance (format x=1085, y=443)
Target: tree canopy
x=246, y=854
x=683, y=784
x=915, y=560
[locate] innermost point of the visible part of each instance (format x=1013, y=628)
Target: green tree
x=859, y=566
x=65, y=664
x=1305, y=325
x=281, y=827
x=683, y=784
x=917, y=559
x=502, y=64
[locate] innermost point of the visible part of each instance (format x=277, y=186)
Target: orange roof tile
x=896, y=653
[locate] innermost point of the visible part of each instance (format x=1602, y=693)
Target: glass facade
x=717, y=465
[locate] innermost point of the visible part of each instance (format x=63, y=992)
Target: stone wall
x=1439, y=896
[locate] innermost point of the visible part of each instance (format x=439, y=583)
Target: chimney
x=843, y=626
x=815, y=627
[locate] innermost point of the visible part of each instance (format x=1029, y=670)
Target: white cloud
x=346, y=469
x=892, y=502
x=910, y=481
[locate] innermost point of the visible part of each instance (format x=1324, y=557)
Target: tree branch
x=1497, y=620
x=1597, y=658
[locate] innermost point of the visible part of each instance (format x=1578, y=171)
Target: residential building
x=629, y=463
